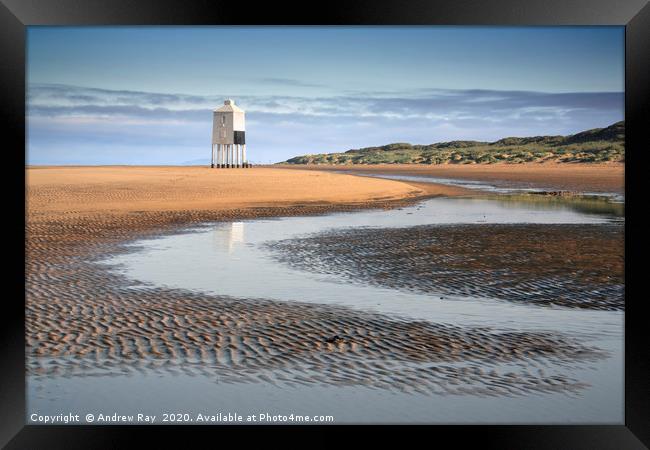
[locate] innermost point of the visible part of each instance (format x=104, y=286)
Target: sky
x=145, y=95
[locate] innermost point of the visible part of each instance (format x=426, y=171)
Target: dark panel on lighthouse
x=240, y=137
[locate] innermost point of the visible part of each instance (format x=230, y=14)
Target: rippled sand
x=571, y=265
x=82, y=320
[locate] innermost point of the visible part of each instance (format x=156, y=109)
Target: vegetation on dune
x=597, y=145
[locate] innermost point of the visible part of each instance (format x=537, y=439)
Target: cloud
x=284, y=126
x=61, y=100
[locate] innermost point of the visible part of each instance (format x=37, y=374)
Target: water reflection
x=583, y=204
x=227, y=236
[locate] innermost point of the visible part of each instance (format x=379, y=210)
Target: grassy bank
x=591, y=146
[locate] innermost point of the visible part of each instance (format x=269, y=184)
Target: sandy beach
x=578, y=177
x=348, y=225
x=82, y=320
x=71, y=191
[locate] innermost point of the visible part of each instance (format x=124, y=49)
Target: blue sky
x=144, y=95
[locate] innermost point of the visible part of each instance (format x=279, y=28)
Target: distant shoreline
x=589, y=146
x=579, y=177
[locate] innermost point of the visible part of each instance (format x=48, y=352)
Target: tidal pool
x=232, y=260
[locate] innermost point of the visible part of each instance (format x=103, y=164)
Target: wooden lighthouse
x=229, y=136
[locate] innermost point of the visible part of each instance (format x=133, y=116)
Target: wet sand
x=579, y=177
x=83, y=320
x=569, y=265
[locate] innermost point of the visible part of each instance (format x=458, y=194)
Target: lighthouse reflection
x=228, y=235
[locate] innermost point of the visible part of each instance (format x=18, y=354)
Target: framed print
x=238, y=219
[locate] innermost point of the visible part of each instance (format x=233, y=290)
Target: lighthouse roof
x=229, y=106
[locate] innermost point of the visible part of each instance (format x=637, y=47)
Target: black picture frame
x=16, y=15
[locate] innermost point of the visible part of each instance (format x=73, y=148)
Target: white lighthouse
x=229, y=136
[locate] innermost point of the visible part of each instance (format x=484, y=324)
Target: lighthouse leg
x=243, y=155
x=212, y=158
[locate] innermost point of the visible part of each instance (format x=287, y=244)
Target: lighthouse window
x=223, y=120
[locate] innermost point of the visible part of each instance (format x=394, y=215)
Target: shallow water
x=154, y=394
x=229, y=259
x=496, y=186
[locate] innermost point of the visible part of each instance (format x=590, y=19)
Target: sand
x=81, y=190
x=579, y=177
x=82, y=320
x=569, y=265
x=85, y=321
